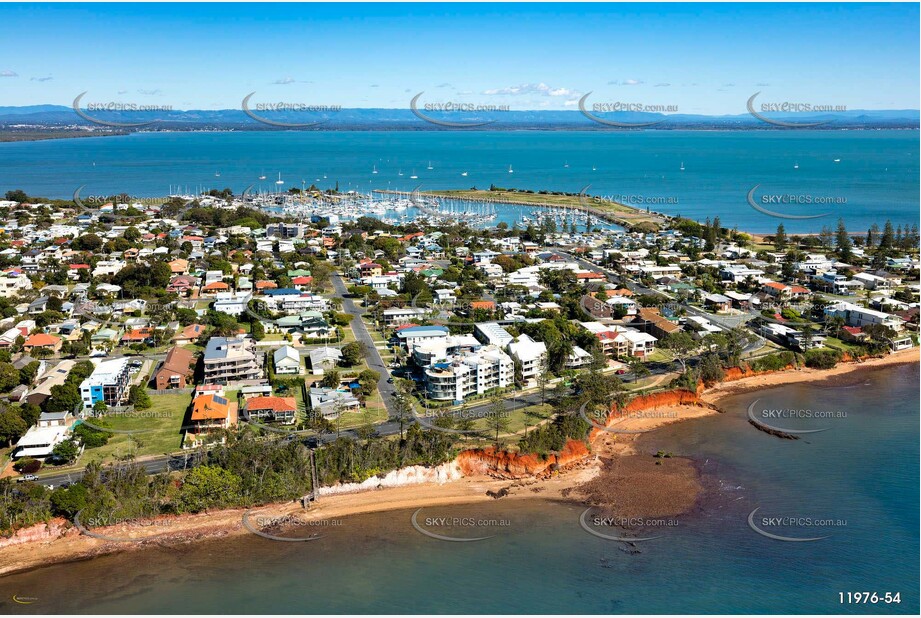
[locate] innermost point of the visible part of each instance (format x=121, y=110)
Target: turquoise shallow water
x=877, y=174
x=862, y=471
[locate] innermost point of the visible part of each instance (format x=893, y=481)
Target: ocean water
x=861, y=473
x=877, y=175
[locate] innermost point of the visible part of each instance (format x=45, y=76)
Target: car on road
x=389, y=380
x=29, y=477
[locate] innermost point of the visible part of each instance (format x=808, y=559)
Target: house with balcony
x=228, y=360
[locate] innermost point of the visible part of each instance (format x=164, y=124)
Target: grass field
x=158, y=430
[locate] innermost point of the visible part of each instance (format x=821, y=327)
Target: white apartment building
x=531, y=354
x=12, y=285
x=472, y=373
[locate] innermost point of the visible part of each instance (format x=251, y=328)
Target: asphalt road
x=375, y=361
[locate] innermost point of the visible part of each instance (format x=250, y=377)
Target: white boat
x=682, y=166
x=463, y=173
x=374, y=170
x=400, y=173
x=430, y=166
x=837, y=160
x=262, y=176
x=594, y=169
x=279, y=181
x=217, y=174
x=796, y=166
x=414, y=175
x=510, y=170
x=566, y=164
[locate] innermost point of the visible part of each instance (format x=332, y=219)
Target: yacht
x=510, y=170
x=279, y=181
x=682, y=166
x=463, y=173
x=837, y=160
x=430, y=166
x=374, y=170
x=796, y=166
x=414, y=175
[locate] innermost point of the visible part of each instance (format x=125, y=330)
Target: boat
x=279, y=181
x=796, y=166
x=414, y=175
x=510, y=170
x=837, y=160
x=217, y=174
x=566, y=164
x=400, y=173
x=682, y=166
x=463, y=173
x=430, y=166
x=262, y=176
x=374, y=169
x=594, y=169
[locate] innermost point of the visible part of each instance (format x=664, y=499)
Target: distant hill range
x=61, y=117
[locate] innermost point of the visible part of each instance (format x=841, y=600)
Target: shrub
x=27, y=465
x=773, y=362
x=822, y=359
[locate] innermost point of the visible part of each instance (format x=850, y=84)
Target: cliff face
x=54, y=529
x=518, y=465
x=412, y=475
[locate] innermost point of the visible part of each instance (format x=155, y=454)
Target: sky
x=699, y=58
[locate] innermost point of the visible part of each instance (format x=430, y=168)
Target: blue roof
x=282, y=292
x=423, y=330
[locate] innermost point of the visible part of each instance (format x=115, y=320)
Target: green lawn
x=158, y=430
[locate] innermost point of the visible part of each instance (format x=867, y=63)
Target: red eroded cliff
x=517, y=465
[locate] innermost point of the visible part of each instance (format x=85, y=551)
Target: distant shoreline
x=7, y=136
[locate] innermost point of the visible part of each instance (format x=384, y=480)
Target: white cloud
x=662, y=85
x=528, y=89
x=284, y=81
x=155, y=92
x=40, y=79
x=9, y=74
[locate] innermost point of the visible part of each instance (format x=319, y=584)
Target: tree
x=353, y=353
x=638, y=368
x=27, y=374
x=843, y=242
x=543, y=378
x=65, y=451
x=138, y=396
x=64, y=397
x=207, y=487
x=12, y=427
x=9, y=377
x=780, y=238
x=100, y=408
x=496, y=416
x=680, y=344
x=330, y=379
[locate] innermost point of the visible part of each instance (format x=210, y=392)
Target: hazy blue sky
x=702, y=58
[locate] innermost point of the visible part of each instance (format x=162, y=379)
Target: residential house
x=287, y=361
x=177, y=369
x=272, y=409
x=108, y=383
x=229, y=360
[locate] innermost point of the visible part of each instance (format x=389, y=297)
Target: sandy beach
x=615, y=476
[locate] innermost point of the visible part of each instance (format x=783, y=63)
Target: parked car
x=29, y=477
